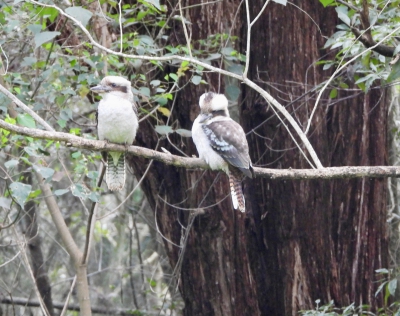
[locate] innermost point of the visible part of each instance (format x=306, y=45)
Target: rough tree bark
x=299, y=240
x=324, y=239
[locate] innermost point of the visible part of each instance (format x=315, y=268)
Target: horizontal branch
x=58, y=305
x=197, y=163
x=100, y=145
x=329, y=173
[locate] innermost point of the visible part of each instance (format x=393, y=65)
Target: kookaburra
x=222, y=143
x=117, y=122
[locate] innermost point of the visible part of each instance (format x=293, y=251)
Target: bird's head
x=212, y=103
x=114, y=85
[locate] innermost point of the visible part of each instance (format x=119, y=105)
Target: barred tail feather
x=237, y=193
x=115, y=173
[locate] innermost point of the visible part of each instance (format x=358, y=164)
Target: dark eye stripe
x=115, y=87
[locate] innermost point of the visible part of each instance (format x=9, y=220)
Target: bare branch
x=330, y=173
x=197, y=163
x=58, y=305
x=79, y=142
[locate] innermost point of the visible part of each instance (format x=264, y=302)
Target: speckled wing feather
x=228, y=139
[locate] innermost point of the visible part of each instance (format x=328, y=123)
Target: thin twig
x=64, y=310
x=185, y=29
x=92, y=219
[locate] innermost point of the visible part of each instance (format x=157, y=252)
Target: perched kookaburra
x=117, y=122
x=222, y=143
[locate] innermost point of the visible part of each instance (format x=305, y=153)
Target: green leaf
x=184, y=132
x=44, y=37
x=31, y=151
x=5, y=203
x=155, y=83
x=395, y=73
x=34, y=194
x=66, y=114
x=145, y=91
x=35, y=28
x=29, y=61
x=46, y=173
x=228, y=51
x=79, y=191
x=156, y=3
x=236, y=68
x=196, y=80
x=93, y=174
x=62, y=123
x=343, y=14
x=20, y=192
x=380, y=288
x=61, y=192
x=232, y=92
x=163, y=129
x=79, y=13
x=50, y=13
x=11, y=163
x=162, y=100
x=325, y=3
x=333, y=93
x=26, y=120
x=164, y=111
x=94, y=196
x=392, y=286
x=396, y=50
x=283, y=2
x=76, y=154
x=174, y=77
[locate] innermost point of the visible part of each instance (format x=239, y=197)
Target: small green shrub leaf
x=164, y=129
x=20, y=192
x=79, y=13
x=44, y=37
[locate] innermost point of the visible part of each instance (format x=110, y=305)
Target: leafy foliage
x=367, y=67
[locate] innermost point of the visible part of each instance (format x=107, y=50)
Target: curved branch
x=197, y=163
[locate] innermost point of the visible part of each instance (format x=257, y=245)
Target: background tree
x=300, y=240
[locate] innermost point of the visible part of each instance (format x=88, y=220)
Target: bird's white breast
x=213, y=159
x=117, y=121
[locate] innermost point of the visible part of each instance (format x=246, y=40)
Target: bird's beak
x=100, y=88
x=205, y=117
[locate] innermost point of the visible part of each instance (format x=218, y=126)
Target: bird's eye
x=113, y=85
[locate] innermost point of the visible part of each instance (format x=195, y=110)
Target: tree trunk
x=299, y=241
x=38, y=263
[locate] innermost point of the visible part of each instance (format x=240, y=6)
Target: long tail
x=115, y=173
x=235, y=183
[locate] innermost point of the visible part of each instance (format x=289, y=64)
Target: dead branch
x=197, y=163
